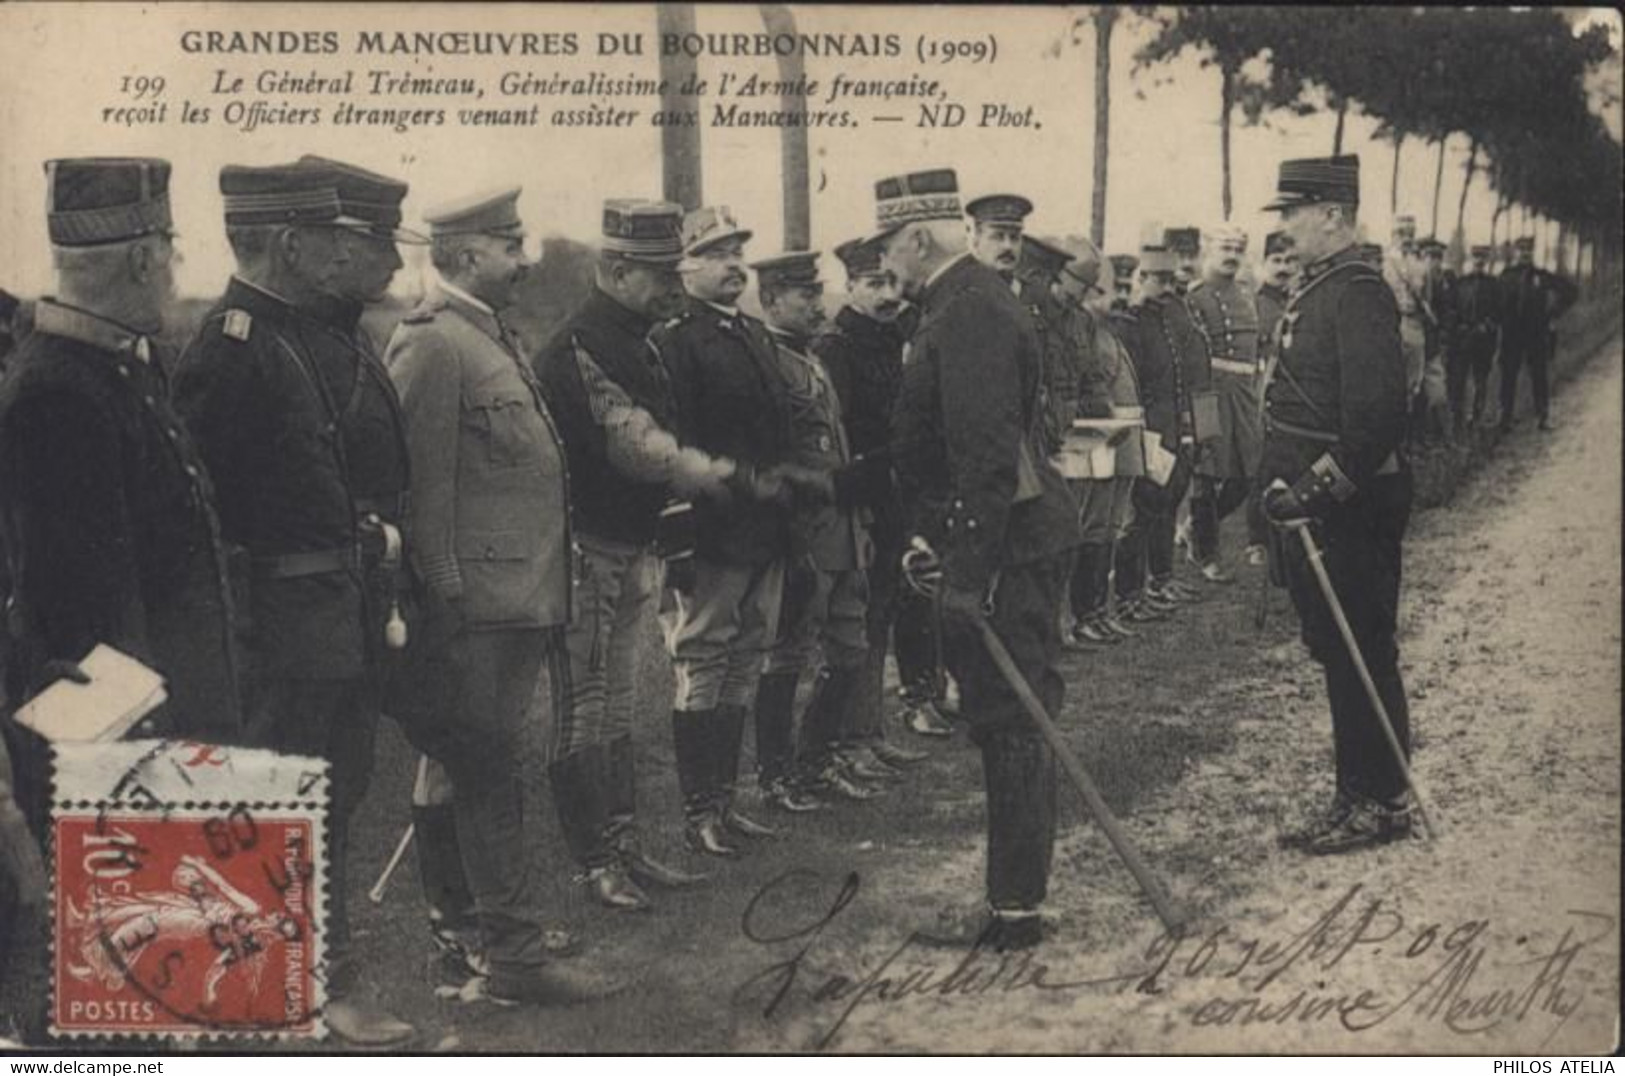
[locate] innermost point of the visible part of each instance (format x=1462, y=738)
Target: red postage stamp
x=189, y=894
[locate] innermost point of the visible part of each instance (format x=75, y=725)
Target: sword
x=376, y=893
x=1316, y=562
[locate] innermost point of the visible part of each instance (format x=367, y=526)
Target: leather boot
x=578, y=782
x=694, y=740
x=728, y=725
x=622, y=834
x=551, y=984
x=775, y=725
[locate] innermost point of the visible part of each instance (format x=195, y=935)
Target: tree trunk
x=1393, y=183
x=680, y=173
x=793, y=168
x=1227, y=99
x=1466, y=185
x=1438, y=186
x=1337, y=135
x=1105, y=19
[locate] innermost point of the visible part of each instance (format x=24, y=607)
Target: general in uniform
x=1531, y=299
x=732, y=400
x=300, y=429
x=1336, y=407
x=975, y=477
x=109, y=518
x=491, y=530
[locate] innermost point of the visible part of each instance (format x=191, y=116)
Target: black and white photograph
x=810, y=529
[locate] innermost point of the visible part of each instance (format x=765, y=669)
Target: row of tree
x=1515, y=84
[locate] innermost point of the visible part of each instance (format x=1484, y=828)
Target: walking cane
x=1149, y=884
x=1316, y=562
x=376, y=893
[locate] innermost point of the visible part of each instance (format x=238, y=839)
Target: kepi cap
x=95, y=200
x=1482, y=250
x=998, y=209
x=1524, y=242
x=1311, y=180
x=917, y=196
x=279, y=194
x=1156, y=259
x=642, y=230
x=791, y=269
x=860, y=256
x=1277, y=242
x=493, y=213
x=1182, y=240
x=369, y=202
x=1124, y=266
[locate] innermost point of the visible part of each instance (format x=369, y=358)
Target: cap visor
x=1286, y=201
x=741, y=234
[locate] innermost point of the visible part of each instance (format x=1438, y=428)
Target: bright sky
x=57, y=74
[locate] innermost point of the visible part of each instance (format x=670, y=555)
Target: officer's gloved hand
x=55, y=670
x=1283, y=507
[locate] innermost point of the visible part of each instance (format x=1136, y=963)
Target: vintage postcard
x=796, y=528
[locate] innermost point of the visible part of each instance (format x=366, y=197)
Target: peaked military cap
x=792, y=269
x=279, y=194
x=1277, y=243
x=860, y=256
x=1404, y=226
x=709, y=225
x=1524, y=242
x=1309, y=180
x=493, y=213
x=1124, y=265
x=1156, y=259
x=999, y=209
x=917, y=196
x=1182, y=240
x=1483, y=250
x=1042, y=256
x=96, y=200
x=641, y=230
x=369, y=202
x=1430, y=244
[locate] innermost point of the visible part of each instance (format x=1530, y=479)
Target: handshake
x=783, y=484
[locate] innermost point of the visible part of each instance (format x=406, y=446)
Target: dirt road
x=1207, y=737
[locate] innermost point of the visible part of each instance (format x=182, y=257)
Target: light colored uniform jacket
x=490, y=490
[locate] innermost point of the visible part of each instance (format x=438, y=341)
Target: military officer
x=980, y=491
x=108, y=515
x=1185, y=244
x=995, y=223
x=617, y=415
x=302, y=435
x=1125, y=270
x=1531, y=299
x=1166, y=362
x=1227, y=320
x=826, y=583
x=1403, y=270
x=732, y=400
x=485, y=453
x=1280, y=278
x=1474, y=340
x=1333, y=459
x=862, y=350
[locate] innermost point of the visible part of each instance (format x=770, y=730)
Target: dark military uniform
x=1531, y=299
x=1228, y=320
x=1335, y=408
x=110, y=528
x=1271, y=305
x=1476, y=311
x=974, y=474
x=1166, y=362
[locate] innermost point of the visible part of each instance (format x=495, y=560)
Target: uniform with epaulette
x=616, y=412
x=1335, y=415
x=109, y=516
x=977, y=482
x=1531, y=299
x=492, y=549
x=732, y=401
x=1227, y=321
x=300, y=429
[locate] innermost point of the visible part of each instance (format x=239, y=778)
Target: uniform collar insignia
x=59, y=319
